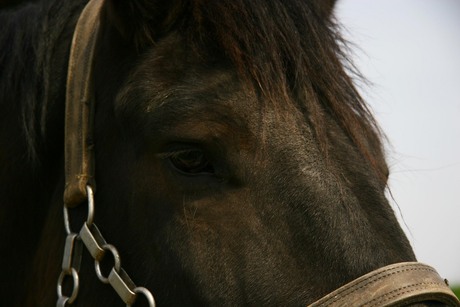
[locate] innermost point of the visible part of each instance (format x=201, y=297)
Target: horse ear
x=142, y=22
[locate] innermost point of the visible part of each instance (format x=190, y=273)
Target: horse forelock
x=289, y=52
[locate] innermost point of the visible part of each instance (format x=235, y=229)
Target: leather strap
x=398, y=284
x=79, y=160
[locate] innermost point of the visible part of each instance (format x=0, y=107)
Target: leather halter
x=394, y=285
x=79, y=168
x=79, y=153
x=399, y=284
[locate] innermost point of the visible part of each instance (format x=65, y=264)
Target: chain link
x=90, y=215
x=147, y=294
x=116, y=266
x=76, y=286
x=91, y=237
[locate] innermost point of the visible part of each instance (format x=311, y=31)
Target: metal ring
x=148, y=295
x=66, y=221
x=116, y=259
x=89, y=217
x=76, y=285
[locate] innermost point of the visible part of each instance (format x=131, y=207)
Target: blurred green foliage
x=456, y=289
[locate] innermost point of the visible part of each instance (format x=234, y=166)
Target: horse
x=235, y=162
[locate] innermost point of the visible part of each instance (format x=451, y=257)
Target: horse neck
x=31, y=125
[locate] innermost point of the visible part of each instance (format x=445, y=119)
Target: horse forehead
x=171, y=80
x=169, y=74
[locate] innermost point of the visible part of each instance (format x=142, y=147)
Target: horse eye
x=191, y=162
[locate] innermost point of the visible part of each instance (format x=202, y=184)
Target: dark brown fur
x=294, y=205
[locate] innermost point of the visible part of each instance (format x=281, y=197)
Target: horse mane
x=290, y=50
x=31, y=36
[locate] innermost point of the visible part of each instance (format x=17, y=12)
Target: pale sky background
x=410, y=51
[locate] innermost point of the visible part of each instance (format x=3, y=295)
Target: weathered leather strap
x=79, y=160
x=398, y=284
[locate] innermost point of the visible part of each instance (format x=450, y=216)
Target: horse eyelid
x=174, y=153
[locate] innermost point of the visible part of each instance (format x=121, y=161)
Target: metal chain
x=95, y=243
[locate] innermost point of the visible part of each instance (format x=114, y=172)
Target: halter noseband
x=398, y=284
x=394, y=285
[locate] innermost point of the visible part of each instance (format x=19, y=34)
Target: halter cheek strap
x=79, y=153
x=79, y=169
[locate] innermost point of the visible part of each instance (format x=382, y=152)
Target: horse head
x=237, y=153
x=235, y=162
